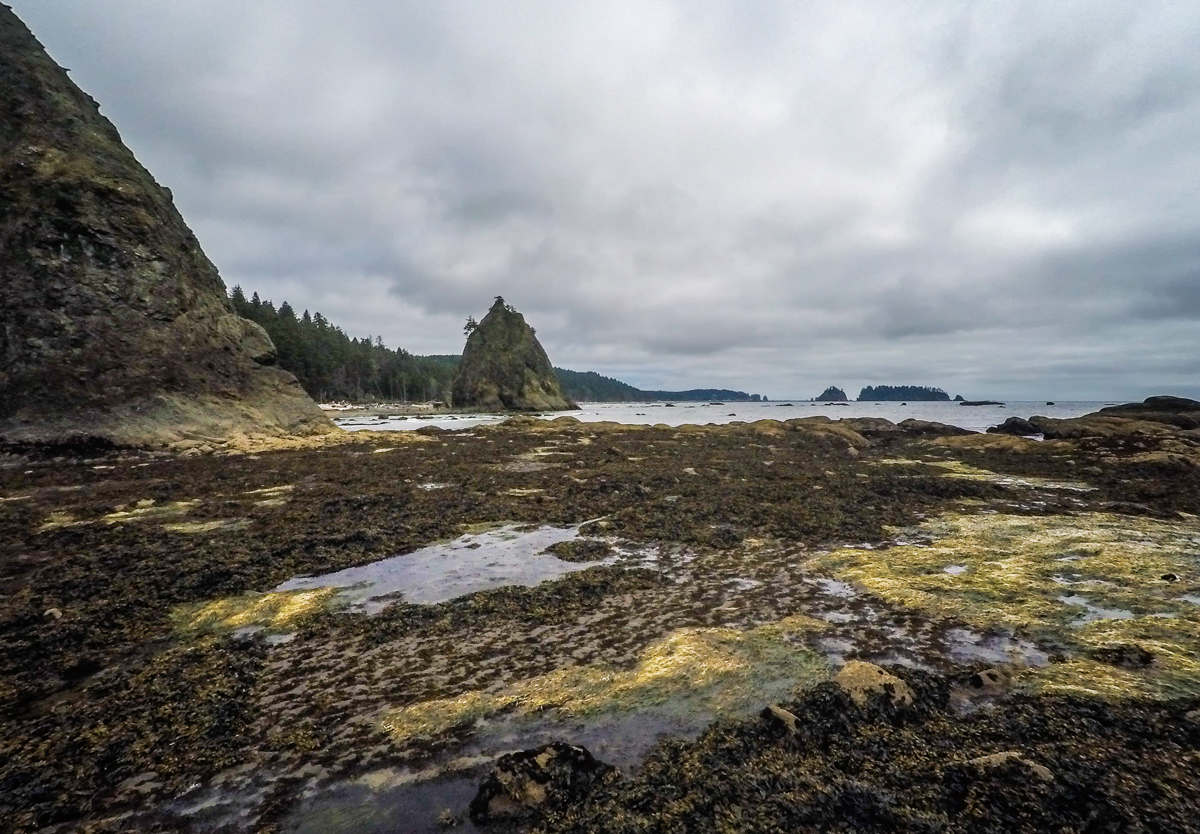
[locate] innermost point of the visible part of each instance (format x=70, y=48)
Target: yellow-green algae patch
x=149, y=509
x=720, y=671
x=1015, y=571
x=218, y=525
x=277, y=611
x=963, y=471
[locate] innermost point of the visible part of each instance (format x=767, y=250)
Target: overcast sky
x=1000, y=199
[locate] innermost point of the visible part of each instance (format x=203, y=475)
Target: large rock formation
x=504, y=368
x=113, y=323
x=832, y=394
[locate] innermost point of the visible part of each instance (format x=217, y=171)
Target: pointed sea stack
x=504, y=368
x=114, y=326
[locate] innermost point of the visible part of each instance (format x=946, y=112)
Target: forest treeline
x=881, y=393
x=333, y=366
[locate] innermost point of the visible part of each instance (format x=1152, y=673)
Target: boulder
x=504, y=368
x=114, y=326
x=523, y=785
x=862, y=680
x=1016, y=426
x=1011, y=759
x=930, y=428
x=1174, y=411
x=870, y=426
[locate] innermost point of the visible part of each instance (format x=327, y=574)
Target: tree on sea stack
x=504, y=368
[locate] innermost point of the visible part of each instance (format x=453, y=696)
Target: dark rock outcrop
x=833, y=394
x=1174, y=411
x=113, y=323
x=1017, y=426
x=931, y=428
x=522, y=786
x=504, y=368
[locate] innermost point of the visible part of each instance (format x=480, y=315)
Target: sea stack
x=832, y=394
x=504, y=368
x=114, y=326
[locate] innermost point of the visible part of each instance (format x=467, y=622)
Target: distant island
x=888, y=393
x=703, y=395
x=832, y=394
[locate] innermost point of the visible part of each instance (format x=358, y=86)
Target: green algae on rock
x=504, y=367
x=715, y=671
x=1083, y=582
x=114, y=325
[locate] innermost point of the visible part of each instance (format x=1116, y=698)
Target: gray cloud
x=993, y=198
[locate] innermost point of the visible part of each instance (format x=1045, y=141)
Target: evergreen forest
x=888, y=393
x=333, y=366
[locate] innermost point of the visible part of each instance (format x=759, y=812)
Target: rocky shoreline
x=1039, y=598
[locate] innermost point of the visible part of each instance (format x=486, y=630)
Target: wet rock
x=862, y=680
x=1129, y=655
x=504, y=367
x=113, y=323
x=929, y=428
x=1012, y=757
x=1017, y=426
x=525, y=785
x=1170, y=577
x=1175, y=411
x=53, y=614
x=870, y=426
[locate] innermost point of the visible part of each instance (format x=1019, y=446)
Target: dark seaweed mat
x=116, y=585
x=1125, y=767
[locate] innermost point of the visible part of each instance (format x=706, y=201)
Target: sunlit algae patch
x=1082, y=582
x=719, y=671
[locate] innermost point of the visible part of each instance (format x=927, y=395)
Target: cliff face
x=504, y=367
x=113, y=323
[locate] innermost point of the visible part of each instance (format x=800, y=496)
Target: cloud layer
x=997, y=198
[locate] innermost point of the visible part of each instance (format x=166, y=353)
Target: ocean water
x=975, y=418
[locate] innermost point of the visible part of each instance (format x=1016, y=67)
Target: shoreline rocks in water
x=113, y=323
x=504, y=367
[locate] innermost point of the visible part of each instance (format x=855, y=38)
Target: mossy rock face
x=113, y=323
x=504, y=368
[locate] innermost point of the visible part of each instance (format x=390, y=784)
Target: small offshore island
x=221, y=613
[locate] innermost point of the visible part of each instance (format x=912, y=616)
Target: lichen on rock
x=505, y=368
